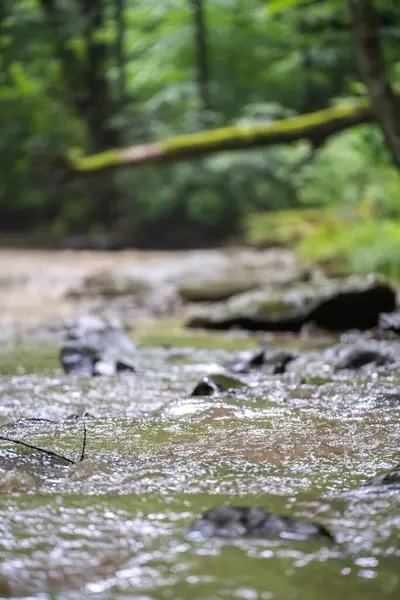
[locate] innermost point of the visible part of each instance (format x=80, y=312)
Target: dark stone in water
x=76, y=416
x=334, y=306
x=356, y=358
x=249, y=323
x=76, y=362
x=391, y=477
x=390, y=322
x=359, y=309
x=93, y=347
x=276, y=359
x=219, y=382
x=205, y=387
x=242, y=521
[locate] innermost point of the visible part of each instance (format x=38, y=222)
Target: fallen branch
x=48, y=452
x=82, y=456
x=315, y=127
x=27, y=420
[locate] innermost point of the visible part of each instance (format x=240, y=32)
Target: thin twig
x=83, y=444
x=48, y=452
x=28, y=420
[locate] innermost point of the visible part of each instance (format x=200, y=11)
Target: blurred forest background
x=91, y=75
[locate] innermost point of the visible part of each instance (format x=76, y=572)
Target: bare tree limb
x=82, y=456
x=48, y=452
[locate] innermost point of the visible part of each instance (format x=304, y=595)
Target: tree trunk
x=120, y=49
x=385, y=103
x=88, y=90
x=202, y=60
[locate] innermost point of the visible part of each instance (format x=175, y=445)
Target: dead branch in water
x=82, y=456
x=31, y=447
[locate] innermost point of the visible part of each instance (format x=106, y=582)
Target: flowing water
x=113, y=525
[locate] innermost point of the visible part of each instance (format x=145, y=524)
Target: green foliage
x=291, y=226
x=267, y=61
x=371, y=246
x=350, y=194
x=353, y=167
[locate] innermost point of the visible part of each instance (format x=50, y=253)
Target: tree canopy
x=302, y=90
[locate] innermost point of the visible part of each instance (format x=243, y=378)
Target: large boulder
x=91, y=346
x=335, y=305
x=159, y=286
x=129, y=291
x=236, y=271
x=363, y=356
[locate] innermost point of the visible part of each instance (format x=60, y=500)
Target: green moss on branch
x=315, y=127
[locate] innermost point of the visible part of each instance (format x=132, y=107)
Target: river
x=114, y=525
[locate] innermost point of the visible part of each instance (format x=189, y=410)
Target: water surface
x=113, y=525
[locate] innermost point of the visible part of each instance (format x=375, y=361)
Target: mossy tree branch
x=315, y=127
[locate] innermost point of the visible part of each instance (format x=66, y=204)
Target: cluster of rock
x=333, y=305
x=244, y=521
x=256, y=296
x=91, y=346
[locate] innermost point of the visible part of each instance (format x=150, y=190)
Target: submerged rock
x=218, y=382
x=235, y=271
x=157, y=285
x=335, y=305
x=217, y=290
x=364, y=353
x=242, y=521
x=94, y=347
x=129, y=291
x=274, y=359
x=391, y=477
x=356, y=358
x=390, y=322
x=17, y=481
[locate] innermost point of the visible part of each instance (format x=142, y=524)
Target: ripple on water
x=155, y=459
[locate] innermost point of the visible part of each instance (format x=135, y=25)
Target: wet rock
x=112, y=283
x=315, y=381
x=275, y=360
x=219, y=275
x=94, y=347
x=159, y=285
x=217, y=290
x=364, y=353
x=76, y=361
x=250, y=360
x=334, y=305
x=76, y=417
x=354, y=308
x=356, y=358
x=205, y=387
x=128, y=291
x=218, y=382
x=241, y=521
x=390, y=322
x=17, y=481
x=391, y=477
